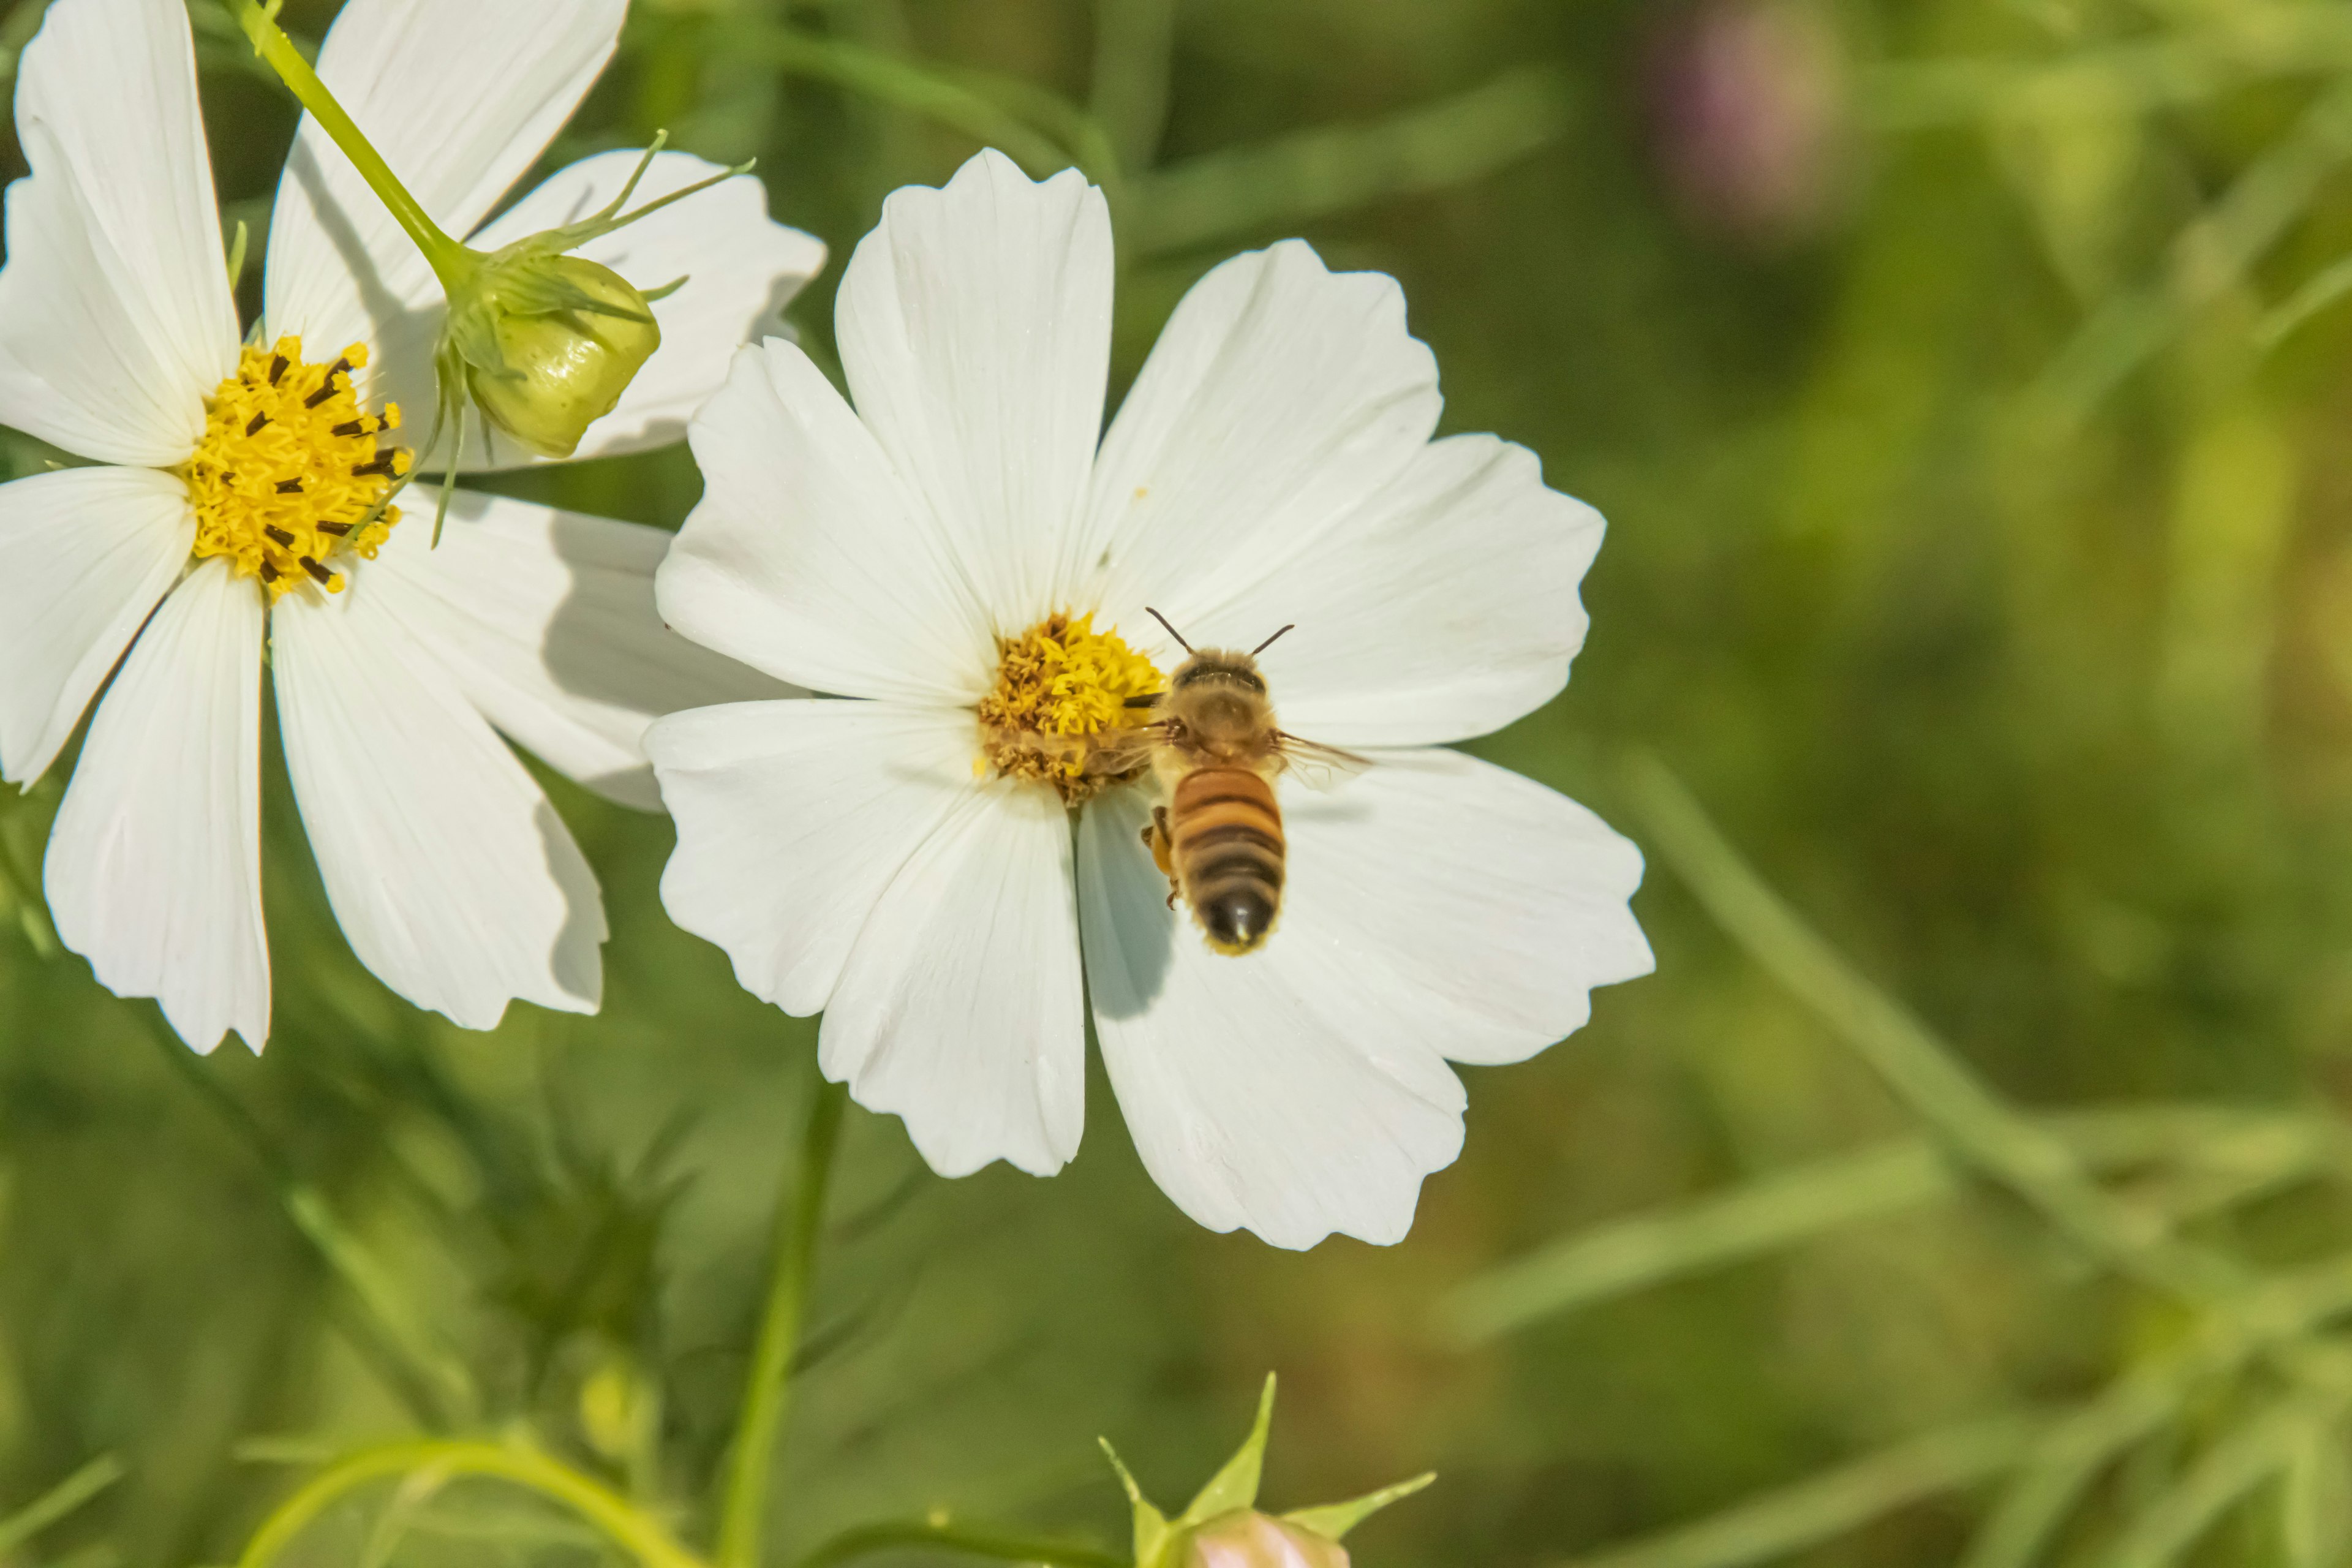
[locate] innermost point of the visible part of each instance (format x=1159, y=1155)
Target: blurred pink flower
x=1746, y=99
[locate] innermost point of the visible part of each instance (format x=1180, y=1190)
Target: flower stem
x=451, y=261
x=424, y=1371
x=767, y=1391
x=627, y=1526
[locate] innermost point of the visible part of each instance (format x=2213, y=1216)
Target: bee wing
x=1124, y=750
x=1319, y=767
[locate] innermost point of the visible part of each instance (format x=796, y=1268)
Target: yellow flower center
x=1060, y=703
x=289, y=472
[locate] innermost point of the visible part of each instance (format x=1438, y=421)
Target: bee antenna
x=1272, y=640
x=1174, y=633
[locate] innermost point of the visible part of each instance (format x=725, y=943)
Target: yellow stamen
x=290, y=471
x=1060, y=705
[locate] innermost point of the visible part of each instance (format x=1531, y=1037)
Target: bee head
x=1212, y=667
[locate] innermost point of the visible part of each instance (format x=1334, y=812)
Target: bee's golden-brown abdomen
x=1225, y=843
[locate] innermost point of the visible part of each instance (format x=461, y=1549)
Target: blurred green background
x=1965, y=385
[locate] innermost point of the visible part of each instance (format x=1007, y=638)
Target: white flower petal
x=975, y=331
x=1494, y=904
x=809, y=558
x=546, y=621
x=1444, y=607
x=844, y=856
x=740, y=266
x=115, y=316
x=1274, y=1091
x=85, y=553
x=1280, y=398
x=1436, y=907
x=459, y=96
x=154, y=866
x=450, y=873
x=961, y=1010
x=792, y=817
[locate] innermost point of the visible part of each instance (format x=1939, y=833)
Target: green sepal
x=1153, y=1534
x=471, y=337
x=1334, y=1519
x=534, y=293
x=1235, y=1486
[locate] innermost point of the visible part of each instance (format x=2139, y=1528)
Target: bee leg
x=1156, y=838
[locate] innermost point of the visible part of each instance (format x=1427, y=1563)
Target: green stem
x=426, y=1375
x=1974, y=1122
x=627, y=1527
x=58, y=1502
x=869, y=1539
x=767, y=1391
x=451, y=261
x=952, y=102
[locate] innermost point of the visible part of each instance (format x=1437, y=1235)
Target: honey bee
x=1216, y=748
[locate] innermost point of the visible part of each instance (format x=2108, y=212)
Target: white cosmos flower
x=447, y=870
x=1272, y=464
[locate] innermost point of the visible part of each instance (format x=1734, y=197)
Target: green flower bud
x=1248, y=1539
x=1223, y=1529
x=565, y=338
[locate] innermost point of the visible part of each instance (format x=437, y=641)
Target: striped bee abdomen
x=1225, y=843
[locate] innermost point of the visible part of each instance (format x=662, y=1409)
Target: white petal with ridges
x=845, y=856
x=1435, y=908
x=115, y=316
x=793, y=818
x=459, y=96
x=448, y=870
x=545, y=619
x=740, y=266
x=809, y=558
x=1492, y=903
x=1272, y=1092
x=85, y=553
x=1280, y=398
x=154, y=864
x=961, y=1008
x=975, y=324
x=1442, y=608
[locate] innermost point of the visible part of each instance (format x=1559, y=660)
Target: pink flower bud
x=1248, y=1539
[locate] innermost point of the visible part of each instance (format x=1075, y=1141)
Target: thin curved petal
x=845, y=859
x=154, y=864
x=461, y=97
x=792, y=817
x=85, y=553
x=961, y=1010
x=741, y=267
x=545, y=620
x=809, y=558
x=1274, y=1091
x=1442, y=608
x=1280, y=398
x=975, y=331
x=448, y=870
x=1435, y=908
x=115, y=316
